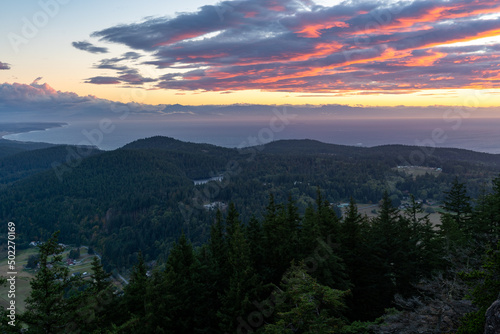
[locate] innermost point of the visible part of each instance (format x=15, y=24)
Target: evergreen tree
x=156, y=319
x=133, y=306
x=358, y=258
x=255, y=235
x=100, y=278
x=485, y=222
x=482, y=218
x=232, y=219
x=305, y=306
x=207, y=285
x=280, y=238
x=493, y=230
x=99, y=306
x=320, y=239
x=52, y=304
x=423, y=239
x=217, y=243
x=292, y=224
x=351, y=227
x=386, y=242
x=309, y=233
x=458, y=208
x=183, y=291
x=214, y=272
x=243, y=285
x=103, y=299
x=406, y=250
x=484, y=290
x=135, y=291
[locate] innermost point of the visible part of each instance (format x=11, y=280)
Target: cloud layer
x=40, y=102
x=4, y=66
x=298, y=46
x=86, y=46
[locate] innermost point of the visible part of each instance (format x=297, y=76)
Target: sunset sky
x=198, y=52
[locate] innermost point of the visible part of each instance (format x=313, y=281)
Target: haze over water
x=481, y=135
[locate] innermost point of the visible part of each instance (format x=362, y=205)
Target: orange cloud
x=313, y=30
x=321, y=49
x=427, y=60
x=442, y=78
x=482, y=34
x=180, y=37
x=452, y=11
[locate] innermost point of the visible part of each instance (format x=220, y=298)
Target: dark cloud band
x=86, y=46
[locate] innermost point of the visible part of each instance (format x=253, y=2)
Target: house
x=215, y=205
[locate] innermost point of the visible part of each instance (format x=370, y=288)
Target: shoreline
x=7, y=129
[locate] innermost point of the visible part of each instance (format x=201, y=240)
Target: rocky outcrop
x=492, y=325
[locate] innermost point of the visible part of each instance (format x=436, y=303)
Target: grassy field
x=23, y=277
x=367, y=209
x=418, y=170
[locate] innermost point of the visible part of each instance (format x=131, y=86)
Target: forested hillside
x=17, y=164
x=218, y=240
x=9, y=147
x=142, y=196
x=294, y=273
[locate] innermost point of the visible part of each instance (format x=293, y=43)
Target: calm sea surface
x=474, y=134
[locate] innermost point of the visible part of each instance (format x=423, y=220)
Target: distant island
x=21, y=127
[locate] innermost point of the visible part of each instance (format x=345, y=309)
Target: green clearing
x=418, y=170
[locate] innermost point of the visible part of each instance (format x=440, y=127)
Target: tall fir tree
x=232, y=219
x=358, y=258
x=280, y=238
x=457, y=206
x=216, y=265
x=183, y=289
x=243, y=281
x=135, y=298
x=385, y=242
x=486, y=216
x=100, y=305
x=423, y=238
x=305, y=306
x=255, y=236
x=320, y=243
x=51, y=306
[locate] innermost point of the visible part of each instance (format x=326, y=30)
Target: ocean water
x=481, y=135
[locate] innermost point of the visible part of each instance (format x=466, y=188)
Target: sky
x=66, y=56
